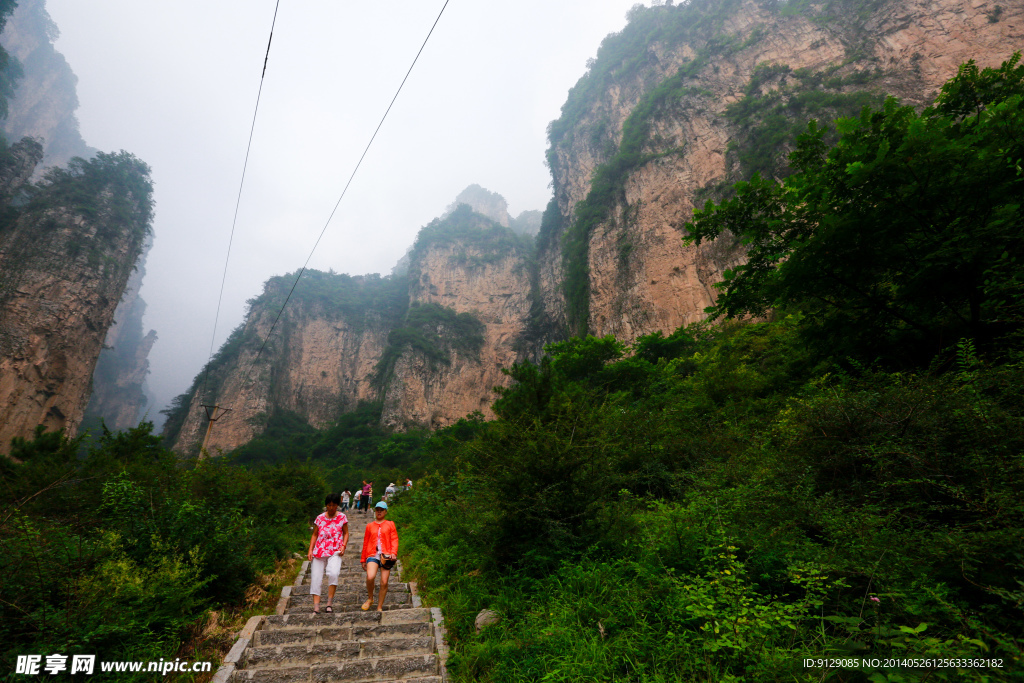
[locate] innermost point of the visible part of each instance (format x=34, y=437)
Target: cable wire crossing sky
x=344, y=190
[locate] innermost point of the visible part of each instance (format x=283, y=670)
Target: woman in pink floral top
x=327, y=545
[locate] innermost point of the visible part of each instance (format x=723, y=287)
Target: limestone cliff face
x=319, y=361
x=65, y=259
x=119, y=392
x=642, y=277
x=17, y=168
x=428, y=346
x=685, y=101
x=489, y=281
x=45, y=98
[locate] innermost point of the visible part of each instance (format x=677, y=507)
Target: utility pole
x=212, y=416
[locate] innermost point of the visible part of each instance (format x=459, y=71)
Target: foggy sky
x=175, y=83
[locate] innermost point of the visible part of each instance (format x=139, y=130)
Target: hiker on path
x=346, y=496
x=327, y=545
x=356, y=498
x=380, y=551
x=389, y=491
x=367, y=495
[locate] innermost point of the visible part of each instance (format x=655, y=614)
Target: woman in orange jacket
x=380, y=551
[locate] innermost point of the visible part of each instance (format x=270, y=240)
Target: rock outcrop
x=65, y=259
x=318, y=362
x=640, y=276
x=483, y=274
x=45, y=98
x=484, y=202
x=119, y=392
x=427, y=345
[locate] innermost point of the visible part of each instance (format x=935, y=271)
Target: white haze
x=175, y=83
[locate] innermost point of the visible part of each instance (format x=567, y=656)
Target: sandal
x=329, y=609
x=316, y=611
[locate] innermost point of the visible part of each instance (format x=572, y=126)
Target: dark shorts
x=387, y=564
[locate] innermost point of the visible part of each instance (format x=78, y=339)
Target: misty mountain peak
x=483, y=202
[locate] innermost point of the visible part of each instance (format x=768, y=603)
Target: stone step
x=349, y=568
x=350, y=582
x=397, y=645
x=344, y=589
x=347, y=607
x=312, y=636
x=406, y=668
x=346, y=603
x=308, y=620
x=334, y=652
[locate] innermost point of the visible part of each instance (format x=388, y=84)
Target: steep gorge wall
x=45, y=98
x=685, y=101
x=696, y=61
x=65, y=259
x=69, y=244
x=427, y=346
x=119, y=392
x=318, y=362
x=484, y=275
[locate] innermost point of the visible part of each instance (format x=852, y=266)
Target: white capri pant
x=316, y=577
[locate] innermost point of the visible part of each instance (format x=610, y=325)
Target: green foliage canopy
x=891, y=241
x=114, y=547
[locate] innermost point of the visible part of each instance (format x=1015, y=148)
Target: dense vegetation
x=113, y=190
x=123, y=551
x=840, y=476
x=768, y=120
x=354, y=448
x=469, y=230
x=432, y=331
x=899, y=240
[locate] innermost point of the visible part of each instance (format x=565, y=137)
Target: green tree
x=893, y=241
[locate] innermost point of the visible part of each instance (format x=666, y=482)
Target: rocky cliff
x=682, y=103
x=45, y=99
x=427, y=345
x=319, y=361
x=69, y=244
x=689, y=97
x=119, y=392
x=477, y=271
x=67, y=248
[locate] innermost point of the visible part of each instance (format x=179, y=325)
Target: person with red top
x=380, y=551
x=367, y=493
x=327, y=545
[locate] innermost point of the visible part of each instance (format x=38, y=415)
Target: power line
x=345, y=190
x=238, y=201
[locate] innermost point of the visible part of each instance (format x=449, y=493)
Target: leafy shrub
x=122, y=551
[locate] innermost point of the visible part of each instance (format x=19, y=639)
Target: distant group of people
x=328, y=544
x=330, y=539
x=363, y=497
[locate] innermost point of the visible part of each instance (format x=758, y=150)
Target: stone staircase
x=402, y=643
